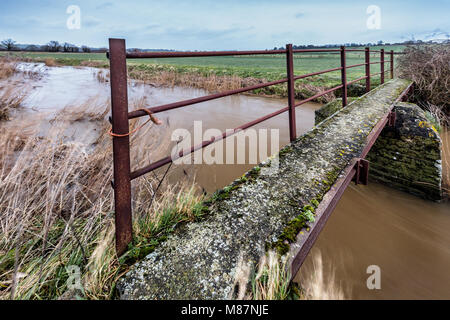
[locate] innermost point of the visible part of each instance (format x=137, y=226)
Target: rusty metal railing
x=120, y=115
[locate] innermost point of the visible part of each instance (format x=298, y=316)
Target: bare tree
x=54, y=46
x=85, y=49
x=32, y=47
x=66, y=47
x=8, y=44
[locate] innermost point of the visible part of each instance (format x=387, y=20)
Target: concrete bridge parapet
x=261, y=211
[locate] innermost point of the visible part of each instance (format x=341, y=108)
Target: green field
x=268, y=67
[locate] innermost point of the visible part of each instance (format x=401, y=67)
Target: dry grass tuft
x=7, y=68
x=172, y=78
x=94, y=109
x=102, y=76
x=94, y=63
x=11, y=97
x=272, y=280
x=50, y=62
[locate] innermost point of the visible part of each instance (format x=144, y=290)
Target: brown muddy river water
x=406, y=237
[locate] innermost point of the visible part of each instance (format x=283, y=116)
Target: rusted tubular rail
x=170, y=106
x=356, y=65
x=314, y=50
x=319, y=95
x=148, y=55
x=367, y=60
x=343, y=77
x=120, y=115
x=185, y=152
x=356, y=80
x=121, y=145
x=291, y=92
x=316, y=73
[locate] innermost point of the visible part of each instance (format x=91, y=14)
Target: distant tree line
x=52, y=46
x=353, y=44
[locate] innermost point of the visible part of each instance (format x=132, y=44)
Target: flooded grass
x=56, y=203
x=11, y=98
x=57, y=211
x=7, y=68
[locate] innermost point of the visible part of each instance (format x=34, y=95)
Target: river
x=406, y=237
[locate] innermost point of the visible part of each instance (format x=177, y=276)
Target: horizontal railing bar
x=355, y=65
x=356, y=80
x=378, y=73
x=316, y=73
x=377, y=62
x=318, y=95
x=315, y=50
x=179, y=104
x=171, y=54
x=141, y=55
x=153, y=166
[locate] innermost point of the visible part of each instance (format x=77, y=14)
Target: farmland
x=268, y=67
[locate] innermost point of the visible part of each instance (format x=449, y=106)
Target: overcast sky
x=222, y=24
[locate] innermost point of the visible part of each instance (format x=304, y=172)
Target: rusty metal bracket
x=391, y=119
x=362, y=172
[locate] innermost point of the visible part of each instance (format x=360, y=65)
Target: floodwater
x=406, y=237
x=68, y=88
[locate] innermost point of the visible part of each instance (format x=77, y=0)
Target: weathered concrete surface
x=329, y=109
x=408, y=155
x=258, y=211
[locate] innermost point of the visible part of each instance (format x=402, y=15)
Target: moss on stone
x=408, y=156
x=330, y=108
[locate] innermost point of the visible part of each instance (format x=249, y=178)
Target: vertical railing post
x=343, y=77
x=392, y=64
x=291, y=92
x=121, y=144
x=367, y=52
x=382, y=66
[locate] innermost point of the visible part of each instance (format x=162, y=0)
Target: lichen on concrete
x=329, y=109
x=199, y=261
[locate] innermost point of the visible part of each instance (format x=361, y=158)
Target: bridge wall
x=406, y=156
x=273, y=206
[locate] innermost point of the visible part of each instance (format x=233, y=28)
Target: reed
x=11, y=97
x=56, y=207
